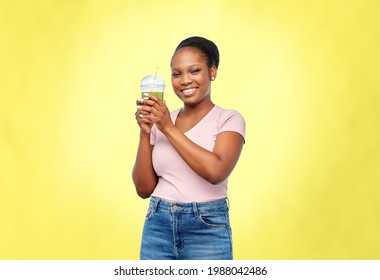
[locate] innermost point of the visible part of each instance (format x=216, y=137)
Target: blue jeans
x=186, y=231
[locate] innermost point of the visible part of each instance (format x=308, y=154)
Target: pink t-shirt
x=177, y=182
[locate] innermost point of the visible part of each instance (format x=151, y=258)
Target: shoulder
x=228, y=114
x=230, y=120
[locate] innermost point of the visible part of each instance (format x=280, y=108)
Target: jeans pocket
x=213, y=219
x=149, y=214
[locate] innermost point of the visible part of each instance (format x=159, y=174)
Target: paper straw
x=154, y=80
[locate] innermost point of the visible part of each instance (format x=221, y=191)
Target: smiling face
x=191, y=76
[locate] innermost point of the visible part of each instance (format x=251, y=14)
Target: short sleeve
x=153, y=135
x=232, y=120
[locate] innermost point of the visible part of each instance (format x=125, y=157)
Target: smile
x=188, y=91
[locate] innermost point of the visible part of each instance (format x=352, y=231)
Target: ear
x=213, y=72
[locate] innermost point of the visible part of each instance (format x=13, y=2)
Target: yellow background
x=305, y=75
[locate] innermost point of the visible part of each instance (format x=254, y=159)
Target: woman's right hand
x=144, y=123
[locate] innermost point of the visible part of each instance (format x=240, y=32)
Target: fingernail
x=139, y=107
x=140, y=100
x=146, y=94
x=141, y=115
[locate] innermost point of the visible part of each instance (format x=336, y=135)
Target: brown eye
x=174, y=75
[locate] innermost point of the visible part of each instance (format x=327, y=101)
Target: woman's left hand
x=157, y=112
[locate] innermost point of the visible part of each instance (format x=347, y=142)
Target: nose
x=186, y=79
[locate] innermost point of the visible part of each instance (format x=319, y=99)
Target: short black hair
x=207, y=47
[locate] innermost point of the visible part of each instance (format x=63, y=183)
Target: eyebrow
x=190, y=66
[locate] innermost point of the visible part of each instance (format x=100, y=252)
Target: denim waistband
x=217, y=205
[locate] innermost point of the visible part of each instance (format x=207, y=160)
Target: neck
x=197, y=109
x=204, y=105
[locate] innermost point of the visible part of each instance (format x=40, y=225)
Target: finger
x=145, y=109
x=148, y=102
x=153, y=97
x=144, y=122
x=144, y=116
x=140, y=101
x=157, y=100
x=156, y=104
x=142, y=110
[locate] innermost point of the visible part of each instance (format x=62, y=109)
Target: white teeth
x=189, y=90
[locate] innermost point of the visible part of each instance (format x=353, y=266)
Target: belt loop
x=195, y=209
x=228, y=203
x=156, y=204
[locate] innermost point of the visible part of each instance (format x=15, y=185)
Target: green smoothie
x=159, y=94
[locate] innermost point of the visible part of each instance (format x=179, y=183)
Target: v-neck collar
x=199, y=122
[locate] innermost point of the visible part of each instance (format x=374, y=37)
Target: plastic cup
x=153, y=85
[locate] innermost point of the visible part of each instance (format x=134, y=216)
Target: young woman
x=184, y=159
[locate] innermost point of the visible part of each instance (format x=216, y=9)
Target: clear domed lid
x=152, y=80
x=152, y=83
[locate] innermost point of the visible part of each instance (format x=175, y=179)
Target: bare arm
x=143, y=174
x=213, y=166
